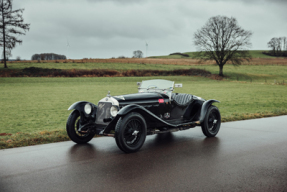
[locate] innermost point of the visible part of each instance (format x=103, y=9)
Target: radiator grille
x=103, y=112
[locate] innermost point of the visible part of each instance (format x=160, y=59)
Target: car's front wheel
x=212, y=121
x=130, y=132
x=72, y=127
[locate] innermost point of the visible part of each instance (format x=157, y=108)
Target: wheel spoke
x=77, y=126
x=134, y=125
x=212, y=121
x=129, y=137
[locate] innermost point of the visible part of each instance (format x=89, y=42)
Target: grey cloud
x=102, y=28
x=255, y=1
x=119, y=1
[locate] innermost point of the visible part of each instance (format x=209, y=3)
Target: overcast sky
x=112, y=28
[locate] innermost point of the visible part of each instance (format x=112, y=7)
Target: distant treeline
x=276, y=53
x=48, y=56
x=278, y=47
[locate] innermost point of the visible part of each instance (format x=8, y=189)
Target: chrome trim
x=110, y=100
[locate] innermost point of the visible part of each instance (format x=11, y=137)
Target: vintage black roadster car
x=129, y=118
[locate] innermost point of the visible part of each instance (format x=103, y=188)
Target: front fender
x=139, y=109
x=125, y=110
x=80, y=106
x=205, y=107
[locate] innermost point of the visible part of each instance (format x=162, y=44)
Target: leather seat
x=182, y=99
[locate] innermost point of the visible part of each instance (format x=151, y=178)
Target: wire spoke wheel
x=130, y=132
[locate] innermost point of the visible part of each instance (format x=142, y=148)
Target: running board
x=156, y=131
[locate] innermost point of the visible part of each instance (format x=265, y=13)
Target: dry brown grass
x=254, y=61
x=125, y=60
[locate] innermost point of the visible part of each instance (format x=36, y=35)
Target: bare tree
x=272, y=44
x=11, y=25
x=7, y=53
x=222, y=40
x=138, y=54
x=278, y=43
x=284, y=42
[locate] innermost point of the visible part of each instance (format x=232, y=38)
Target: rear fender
x=205, y=107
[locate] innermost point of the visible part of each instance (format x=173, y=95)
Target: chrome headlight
x=114, y=111
x=88, y=108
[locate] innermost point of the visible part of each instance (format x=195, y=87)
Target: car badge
x=167, y=115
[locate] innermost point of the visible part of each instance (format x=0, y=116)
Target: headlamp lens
x=114, y=111
x=88, y=109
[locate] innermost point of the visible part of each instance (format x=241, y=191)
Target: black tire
x=212, y=121
x=72, y=129
x=130, y=132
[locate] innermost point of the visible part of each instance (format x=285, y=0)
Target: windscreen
x=156, y=85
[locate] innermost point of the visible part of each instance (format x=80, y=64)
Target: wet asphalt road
x=246, y=155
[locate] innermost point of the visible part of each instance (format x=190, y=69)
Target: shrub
x=45, y=72
x=182, y=54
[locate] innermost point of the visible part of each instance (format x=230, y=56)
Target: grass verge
x=21, y=139
x=43, y=137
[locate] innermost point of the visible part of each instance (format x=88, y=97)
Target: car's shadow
x=163, y=139
x=162, y=150
x=80, y=152
x=160, y=141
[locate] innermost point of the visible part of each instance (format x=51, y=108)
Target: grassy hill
x=254, y=54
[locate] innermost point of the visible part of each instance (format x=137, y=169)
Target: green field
x=254, y=54
x=35, y=104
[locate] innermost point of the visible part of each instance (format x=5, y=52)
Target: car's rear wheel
x=212, y=121
x=72, y=127
x=130, y=132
